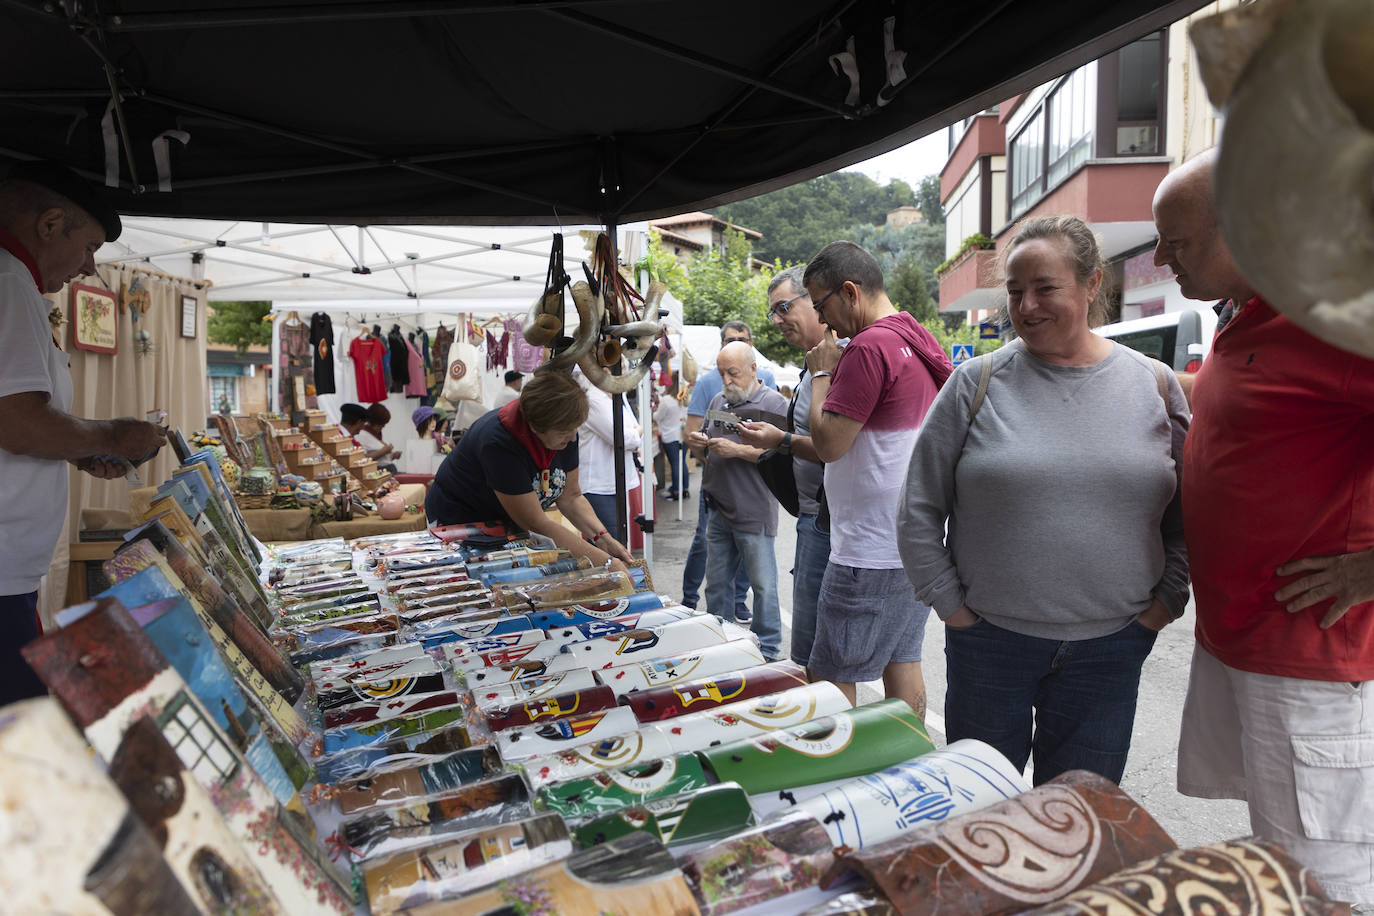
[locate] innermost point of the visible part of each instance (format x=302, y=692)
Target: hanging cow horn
x=590, y=311
x=608, y=354
x=1295, y=175
x=616, y=384
x=541, y=327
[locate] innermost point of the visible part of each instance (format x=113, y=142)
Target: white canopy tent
x=400, y=268
x=375, y=275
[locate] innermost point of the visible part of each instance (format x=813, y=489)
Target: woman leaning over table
x=1065, y=553
x=520, y=460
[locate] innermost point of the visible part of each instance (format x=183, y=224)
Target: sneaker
x=671, y=497
x=743, y=616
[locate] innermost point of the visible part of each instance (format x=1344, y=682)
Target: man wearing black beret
x=51, y=223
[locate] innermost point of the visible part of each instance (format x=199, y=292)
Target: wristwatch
x=785, y=447
x=823, y=373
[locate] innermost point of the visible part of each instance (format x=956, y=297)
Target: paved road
x=1150, y=770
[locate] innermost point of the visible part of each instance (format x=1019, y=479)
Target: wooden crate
x=333, y=482
x=339, y=447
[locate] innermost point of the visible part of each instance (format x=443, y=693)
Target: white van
x=1180, y=340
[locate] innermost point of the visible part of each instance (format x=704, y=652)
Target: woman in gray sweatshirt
x=1040, y=518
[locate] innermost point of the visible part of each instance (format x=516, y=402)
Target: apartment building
x=1094, y=142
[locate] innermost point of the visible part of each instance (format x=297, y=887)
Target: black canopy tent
x=508, y=111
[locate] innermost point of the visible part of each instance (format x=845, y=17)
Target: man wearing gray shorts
x=867, y=403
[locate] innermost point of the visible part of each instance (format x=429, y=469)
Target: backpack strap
x=1162, y=379
x=984, y=373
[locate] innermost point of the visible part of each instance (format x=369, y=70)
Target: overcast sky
x=910, y=163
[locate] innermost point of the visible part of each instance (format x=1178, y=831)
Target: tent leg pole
x=618, y=428
x=648, y=494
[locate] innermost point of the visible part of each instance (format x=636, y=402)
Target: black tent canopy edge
x=447, y=133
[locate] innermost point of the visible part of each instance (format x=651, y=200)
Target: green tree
x=798, y=221
x=928, y=201
x=239, y=324
x=960, y=333
x=906, y=287
x=721, y=286
x=662, y=265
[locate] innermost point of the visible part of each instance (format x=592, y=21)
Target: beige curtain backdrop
x=172, y=376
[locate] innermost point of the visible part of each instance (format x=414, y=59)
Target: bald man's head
x=738, y=370
x=1190, y=239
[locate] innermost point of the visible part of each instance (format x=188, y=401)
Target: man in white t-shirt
x=867, y=403
x=51, y=223
x=596, y=454
x=509, y=391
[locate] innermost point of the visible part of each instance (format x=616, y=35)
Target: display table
x=274, y=525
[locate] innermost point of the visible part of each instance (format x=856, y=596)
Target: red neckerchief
x=16, y=248
x=513, y=419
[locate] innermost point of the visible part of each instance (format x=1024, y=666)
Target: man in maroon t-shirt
x=1278, y=502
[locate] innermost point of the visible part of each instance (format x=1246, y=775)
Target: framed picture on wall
x=188, y=316
x=95, y=319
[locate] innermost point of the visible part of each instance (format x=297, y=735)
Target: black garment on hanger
x=322, y=343
x=400, y=359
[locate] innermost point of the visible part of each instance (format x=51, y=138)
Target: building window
x=224, y=390
x=1028, y=165
x=1070, y=128
x=1133, y=98
x=1115, y=106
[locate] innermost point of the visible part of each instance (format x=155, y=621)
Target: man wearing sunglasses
x=789, y=308
x=867, y=404
x=707, y=387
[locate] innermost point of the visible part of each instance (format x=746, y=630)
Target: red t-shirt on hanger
x=366, y=353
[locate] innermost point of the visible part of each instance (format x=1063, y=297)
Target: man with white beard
x=744, y=514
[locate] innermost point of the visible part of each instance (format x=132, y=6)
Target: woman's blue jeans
x=1069, y=705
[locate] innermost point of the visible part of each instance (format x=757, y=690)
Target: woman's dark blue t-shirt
x=486, y=461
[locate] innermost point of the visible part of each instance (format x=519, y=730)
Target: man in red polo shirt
x=1278, y=501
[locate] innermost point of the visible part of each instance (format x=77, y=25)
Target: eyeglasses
x=731, y=340
x=820, y=304
x=783, y=307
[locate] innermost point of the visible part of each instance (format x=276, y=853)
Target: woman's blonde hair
x=1081, y=247
x=553, y=400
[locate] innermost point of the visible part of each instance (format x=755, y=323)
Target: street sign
x=959, y=353
x=989, y=330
